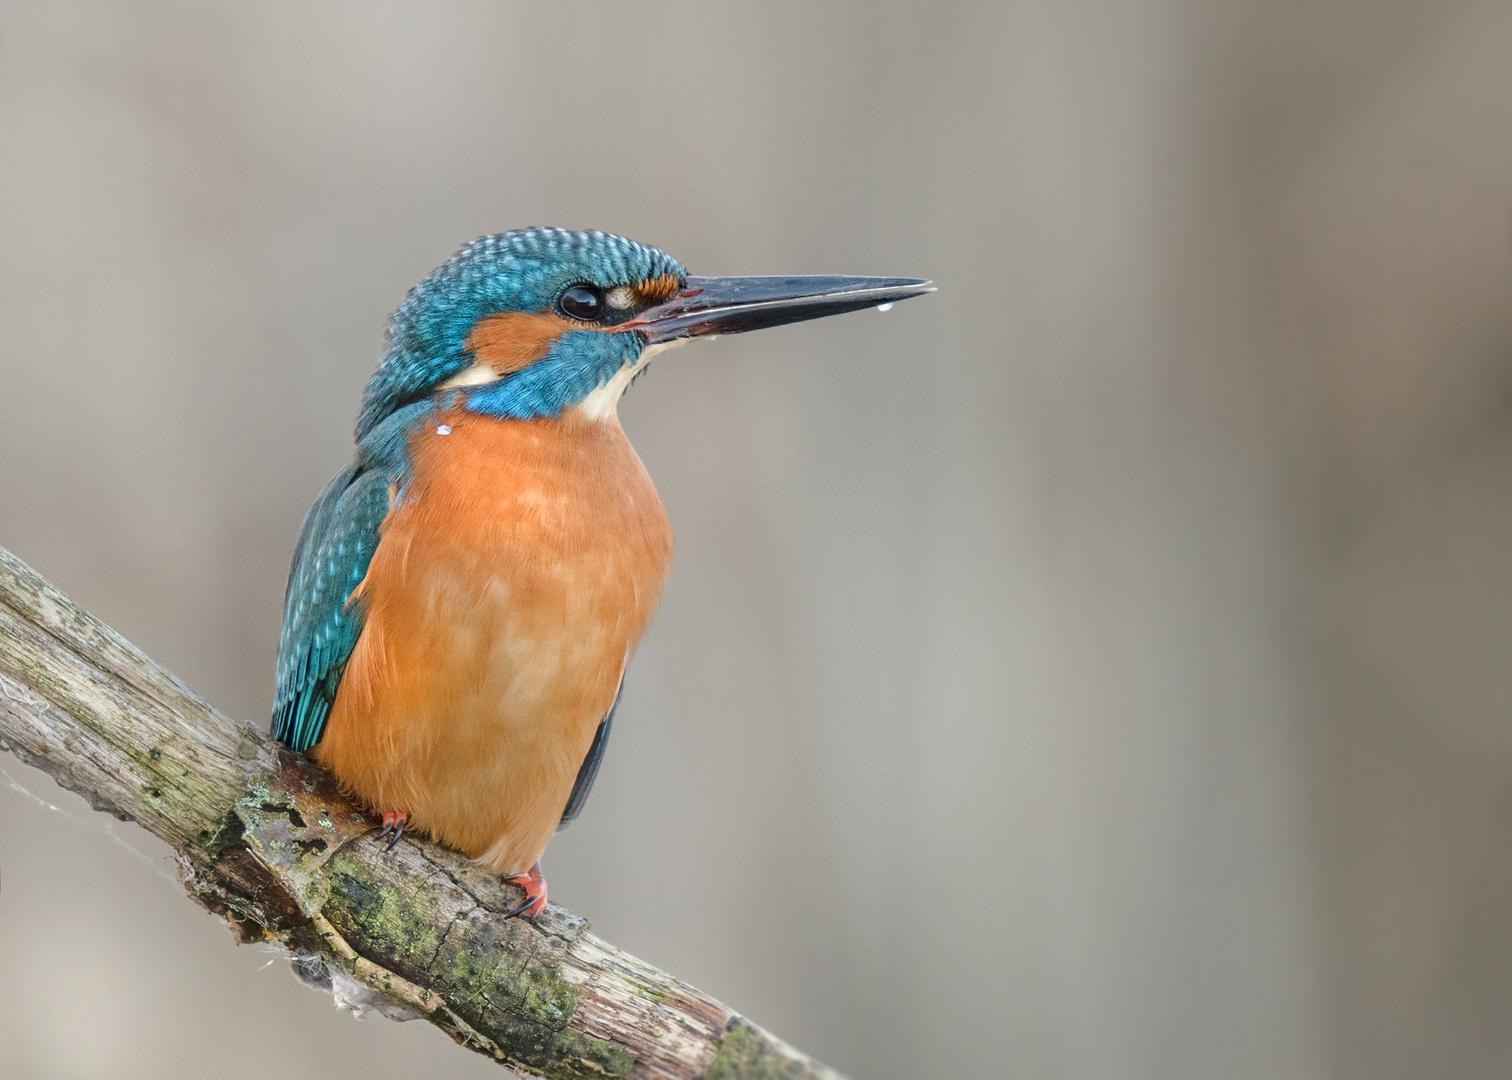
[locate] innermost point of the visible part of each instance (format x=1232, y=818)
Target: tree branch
x=267, y=841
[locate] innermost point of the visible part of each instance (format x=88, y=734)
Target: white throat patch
x=604, y=402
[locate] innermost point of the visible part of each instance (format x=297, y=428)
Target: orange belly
x=507, y=592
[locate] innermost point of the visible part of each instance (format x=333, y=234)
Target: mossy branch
x=267, y=841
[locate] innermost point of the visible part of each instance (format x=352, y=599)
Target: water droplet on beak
x=885, y=307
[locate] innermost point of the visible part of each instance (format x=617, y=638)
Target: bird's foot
x=535, y=893
x=394, y=822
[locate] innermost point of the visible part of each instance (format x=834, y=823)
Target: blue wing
x=588, y=771
x=320, y=626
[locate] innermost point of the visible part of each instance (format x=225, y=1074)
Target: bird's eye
x=582, y=302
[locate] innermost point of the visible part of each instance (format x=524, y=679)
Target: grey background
x=1097, y=669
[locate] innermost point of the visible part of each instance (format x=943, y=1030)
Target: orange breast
x=507, y=592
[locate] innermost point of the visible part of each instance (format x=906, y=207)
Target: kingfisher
x=466, y=594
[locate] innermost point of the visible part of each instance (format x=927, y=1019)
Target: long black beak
x=733, y=305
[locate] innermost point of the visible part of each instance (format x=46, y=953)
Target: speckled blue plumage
x=515, y=271
x=320, y=628
x=524, y=270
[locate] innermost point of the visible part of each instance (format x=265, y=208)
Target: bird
x=466, y=594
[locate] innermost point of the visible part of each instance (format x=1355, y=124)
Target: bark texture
x=266, y=840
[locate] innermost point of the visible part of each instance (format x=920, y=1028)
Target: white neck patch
x=604, y=402
x=476, y=375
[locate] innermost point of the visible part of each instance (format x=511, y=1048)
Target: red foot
x=535, y=893
x=394, y=822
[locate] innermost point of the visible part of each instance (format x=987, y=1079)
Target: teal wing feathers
x=320, y=625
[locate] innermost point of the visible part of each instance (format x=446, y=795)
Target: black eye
x=582, y=302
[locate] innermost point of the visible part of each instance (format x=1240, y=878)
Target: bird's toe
x=534, y=886
x=394, y=822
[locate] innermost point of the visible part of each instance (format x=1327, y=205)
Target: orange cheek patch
x=655, y=290
x=513, y=340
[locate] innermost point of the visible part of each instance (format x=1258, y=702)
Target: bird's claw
x=393, y=823
x=535, y=893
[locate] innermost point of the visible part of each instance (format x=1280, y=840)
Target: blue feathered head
x=527, y=271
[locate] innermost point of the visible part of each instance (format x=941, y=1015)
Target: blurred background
x=1098, y=669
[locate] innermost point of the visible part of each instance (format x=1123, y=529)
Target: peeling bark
x=266, y=840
